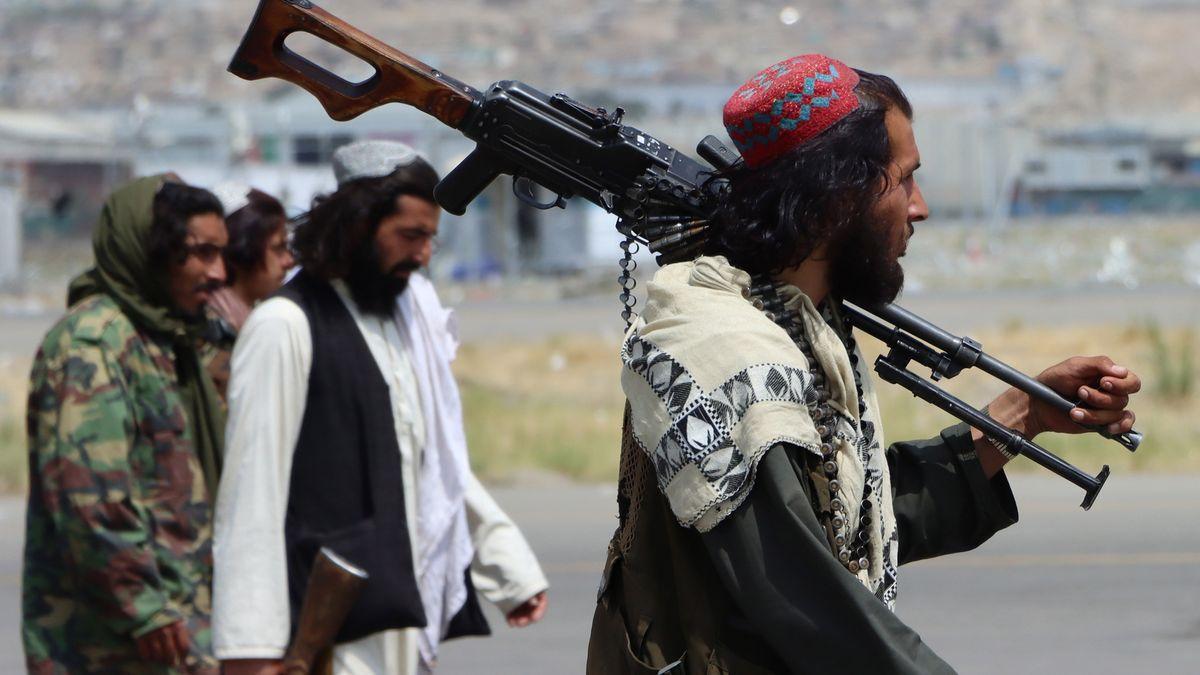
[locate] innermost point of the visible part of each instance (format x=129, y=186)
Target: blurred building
x=10, y=229
x=980, y=163
x=64, y=166
x=1110, y=170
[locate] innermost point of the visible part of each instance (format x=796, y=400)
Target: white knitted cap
x=233, y=196
x=371, y=159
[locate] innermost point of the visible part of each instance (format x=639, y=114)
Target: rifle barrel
x=967, y=353
x=930, y=393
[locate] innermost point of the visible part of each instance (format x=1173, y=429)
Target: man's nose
x=216, y=271
x=918, y=210
x=426, y=253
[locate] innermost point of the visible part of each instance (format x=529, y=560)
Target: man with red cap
x=762, y=517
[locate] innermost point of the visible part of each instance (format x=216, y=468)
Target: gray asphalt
x=957, y=311
x=1113, y=590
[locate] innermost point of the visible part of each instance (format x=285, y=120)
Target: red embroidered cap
x=787, y=104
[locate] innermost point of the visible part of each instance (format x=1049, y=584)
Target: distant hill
x=1091, y=56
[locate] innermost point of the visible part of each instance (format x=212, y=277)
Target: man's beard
x=375, y=292
x=198, y=313
x=865, y=269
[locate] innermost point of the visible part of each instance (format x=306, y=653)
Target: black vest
x=346, y=488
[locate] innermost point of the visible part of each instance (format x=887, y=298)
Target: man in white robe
x=364, y=243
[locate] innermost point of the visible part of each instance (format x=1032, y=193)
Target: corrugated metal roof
x=34, y=135
x=42, y=126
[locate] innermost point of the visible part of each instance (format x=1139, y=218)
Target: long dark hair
x=776, y=215
x=338, y=225
x=249, y=229
x=174, y=205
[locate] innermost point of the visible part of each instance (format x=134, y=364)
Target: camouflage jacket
x=216, y=352
x=119, y=532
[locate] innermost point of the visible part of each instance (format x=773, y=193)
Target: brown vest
x=660, y=600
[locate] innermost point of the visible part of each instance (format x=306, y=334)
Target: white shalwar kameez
x=267, y=393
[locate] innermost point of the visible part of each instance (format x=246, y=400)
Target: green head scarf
x=123, y=271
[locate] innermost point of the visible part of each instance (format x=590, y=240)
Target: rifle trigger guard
x=523, y=189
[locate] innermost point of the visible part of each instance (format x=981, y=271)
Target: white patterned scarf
x=713, y=384
x=444, y=547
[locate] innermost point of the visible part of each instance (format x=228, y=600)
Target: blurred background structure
x=1027, y=110
x=1060, y=142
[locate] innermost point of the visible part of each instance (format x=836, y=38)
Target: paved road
x=507, y=318
x=1114, y=590
x=955, y=311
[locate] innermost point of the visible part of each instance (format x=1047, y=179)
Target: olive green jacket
x=118, y=538
x=762, y=592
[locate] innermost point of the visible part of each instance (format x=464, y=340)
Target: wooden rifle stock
x=333, y=587
x=398, y=77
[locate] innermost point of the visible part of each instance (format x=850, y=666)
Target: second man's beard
x=866, y=270
x=374, y=291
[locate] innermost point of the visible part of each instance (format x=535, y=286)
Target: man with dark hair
x=762, y=518
x=124, y=447
x=257, y=258
x=346, y=432
x=257, y=261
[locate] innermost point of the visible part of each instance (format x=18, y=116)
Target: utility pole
x=10, y=228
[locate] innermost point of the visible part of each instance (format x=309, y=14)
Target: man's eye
x=205, y=252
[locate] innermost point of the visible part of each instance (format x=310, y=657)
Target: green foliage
x=555, y=406
x=1174, y=375
x=12, y=455
x=509, y=432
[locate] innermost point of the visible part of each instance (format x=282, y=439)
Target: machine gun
x=662, y=198
x=568, y=148
x=913, y=339
x=333, y=587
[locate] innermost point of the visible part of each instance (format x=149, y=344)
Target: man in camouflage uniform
x=123, y=447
